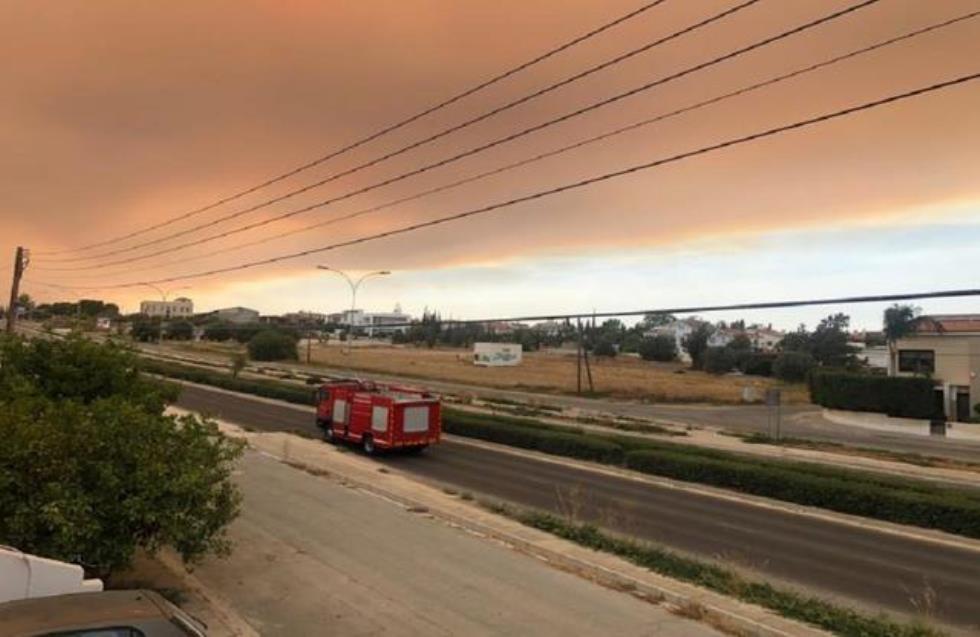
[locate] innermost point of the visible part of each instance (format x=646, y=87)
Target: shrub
x=272, y=345
x=719, y=360
x=557, y=441
x=145, y=331
x=896, y=396
x=604, y=347
x=792, y=366
x=658, y=348
x=180, y=331
x=91, y=470
x=758, y=364
x=217, y=332
x=882, y=499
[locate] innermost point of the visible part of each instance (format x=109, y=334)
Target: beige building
x=178, y=308
x=947, y=348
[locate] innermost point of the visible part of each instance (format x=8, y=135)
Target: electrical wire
x=384, y=131
x=472, y=151
x=590, y=140
x=569, y=186
x=422, y=142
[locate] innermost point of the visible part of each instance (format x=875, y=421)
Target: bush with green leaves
x=658, y=348
x=91, y=470
x=719, y=360
x=180, y=330
x=145, y=330
x=897, y=396
x=792, y=366
x=272, y=345
x=605, y=347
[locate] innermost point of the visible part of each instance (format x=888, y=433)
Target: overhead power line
x=380, y=133
x=590, y=140
x=477, y=149
x=570, y=186
x=701, y=309
x=417, y=144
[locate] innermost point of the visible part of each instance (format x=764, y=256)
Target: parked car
x=131, y=613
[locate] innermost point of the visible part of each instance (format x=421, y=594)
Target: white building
x=178, y=308
x=373, y=322
x=721, y=338
x=764, y=339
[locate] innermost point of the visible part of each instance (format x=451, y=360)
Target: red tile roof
x=948, y=323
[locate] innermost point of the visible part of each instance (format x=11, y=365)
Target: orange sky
x=119, y=114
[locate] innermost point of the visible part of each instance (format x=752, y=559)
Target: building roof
x=948, y=324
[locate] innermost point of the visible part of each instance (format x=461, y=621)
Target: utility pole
x=21, y=259
x=578, y=359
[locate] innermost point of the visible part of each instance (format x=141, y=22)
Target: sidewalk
x=881, y=422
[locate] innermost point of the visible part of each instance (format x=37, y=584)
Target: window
x=918, y=361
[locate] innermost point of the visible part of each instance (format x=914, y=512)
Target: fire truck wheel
x=368, y=443
x=329, y=435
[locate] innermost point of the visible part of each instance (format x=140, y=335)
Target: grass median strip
x=790, y=604
x=893, y=499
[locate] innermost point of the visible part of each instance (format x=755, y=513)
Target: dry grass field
x=545, y=371
x=621, y=377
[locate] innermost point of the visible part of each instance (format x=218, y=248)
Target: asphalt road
x=871, y=568
x=312, y=557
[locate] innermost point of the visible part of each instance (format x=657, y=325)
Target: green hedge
x=896, y=396
x=267, y=389
x=540, y=438
x=952, y=511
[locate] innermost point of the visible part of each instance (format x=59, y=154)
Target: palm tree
x=899, y=321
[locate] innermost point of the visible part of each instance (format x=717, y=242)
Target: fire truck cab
x=378, y=417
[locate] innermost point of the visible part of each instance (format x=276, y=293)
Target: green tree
x=829, y=342
x=719, y=360
x=272, y=345
x=91, y=470
x=145, y=330
x=605, y=347
x=898, y=322
x=653, y=320
x=696, y=344
x=792, y=366
x=180, y=330
x=658, y=348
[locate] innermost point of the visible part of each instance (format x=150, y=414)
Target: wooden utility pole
x=20, y=263
x=578, y=358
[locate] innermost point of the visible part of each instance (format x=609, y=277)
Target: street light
x=353, y=295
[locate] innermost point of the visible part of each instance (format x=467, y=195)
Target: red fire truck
x=378, y=417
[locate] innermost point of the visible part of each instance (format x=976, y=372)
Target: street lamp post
x=354, y=285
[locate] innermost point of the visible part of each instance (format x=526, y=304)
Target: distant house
x=721, y=338
x=945, y=347
x=178, y=308
x=677, y=330
x=372, y=322
x=764, y=339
